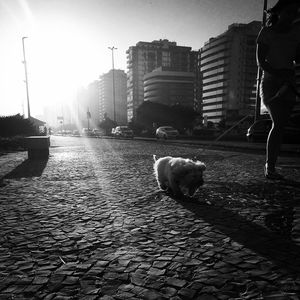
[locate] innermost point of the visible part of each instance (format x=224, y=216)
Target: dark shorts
x=273, y=89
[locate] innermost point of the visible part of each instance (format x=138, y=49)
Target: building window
x=166, y=59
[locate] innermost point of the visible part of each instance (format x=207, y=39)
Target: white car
x=86, y=132
x=76, y=132
x=166, y=132
x=123, y=131
x=97, y=132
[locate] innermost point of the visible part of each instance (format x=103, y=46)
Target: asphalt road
x=90, y=223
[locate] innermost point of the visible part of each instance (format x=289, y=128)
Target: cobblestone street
x=90, y=223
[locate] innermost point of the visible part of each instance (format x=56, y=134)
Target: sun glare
x=64, y=52
x=61, y=58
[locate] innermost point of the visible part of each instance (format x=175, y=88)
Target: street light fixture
x=113, y=73
x=26, y=76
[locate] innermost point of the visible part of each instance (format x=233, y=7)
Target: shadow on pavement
x=28, y=168
x=278, y=248
x=288, y=182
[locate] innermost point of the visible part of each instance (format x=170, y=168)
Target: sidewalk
x=89, y=223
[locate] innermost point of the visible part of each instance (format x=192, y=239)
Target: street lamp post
x=259, y=71
x=88, y=115
x=113, y=74
x=26, y=76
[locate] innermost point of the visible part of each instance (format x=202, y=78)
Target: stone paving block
x=176, y=282
x=187, y=293
x=31, y=290
x=168, y=292
x=156, y=271
x=206, y=297
x=155, y=282
x=161, y=264
x=152, y=295
x=39, y=280
x=89, y=297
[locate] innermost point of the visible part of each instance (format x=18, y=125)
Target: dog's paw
x=177, y=195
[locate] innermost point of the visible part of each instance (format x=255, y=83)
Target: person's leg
x=279, y=113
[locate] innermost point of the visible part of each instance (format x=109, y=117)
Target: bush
x=12, y=143
x=177, y=116
x=16, y=126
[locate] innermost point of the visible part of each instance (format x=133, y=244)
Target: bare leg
x=279, y=112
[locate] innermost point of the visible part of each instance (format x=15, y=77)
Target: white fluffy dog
x=178, y=175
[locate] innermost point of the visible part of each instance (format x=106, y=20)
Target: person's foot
x=272, y=174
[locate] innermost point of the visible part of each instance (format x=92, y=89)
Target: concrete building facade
x=147, y=56
x=169, y=87
x=229, y=70
x=106, y=101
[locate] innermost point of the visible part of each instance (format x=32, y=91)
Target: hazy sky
x=68, y=40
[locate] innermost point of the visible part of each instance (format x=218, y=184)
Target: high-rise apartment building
x=147, y=56
x=229, y=70
x=106, y=96
x=169, y=87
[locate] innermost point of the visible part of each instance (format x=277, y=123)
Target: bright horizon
x=67, y=40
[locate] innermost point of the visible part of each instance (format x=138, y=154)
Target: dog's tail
x=154, y=158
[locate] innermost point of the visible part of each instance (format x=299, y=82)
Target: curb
x=234, y=146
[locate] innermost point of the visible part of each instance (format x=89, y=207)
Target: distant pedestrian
x=278, y=47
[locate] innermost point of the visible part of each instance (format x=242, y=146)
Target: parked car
x=166, y=132
x=86, y=132
x=97, y=132
x=123, y=131
x=259, y=130
x=76, y=132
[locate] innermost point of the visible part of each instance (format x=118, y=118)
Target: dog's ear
x=203, y=167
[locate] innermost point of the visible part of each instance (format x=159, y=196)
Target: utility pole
x=26, y=77
x=88, y=115
x=259, y=71
x=113, y=74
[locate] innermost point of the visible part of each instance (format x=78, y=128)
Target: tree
x=16, y=125
x=178, y=116
x=185, y=116
x=107, y=124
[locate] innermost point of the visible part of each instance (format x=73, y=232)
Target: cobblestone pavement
x=90, y=223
